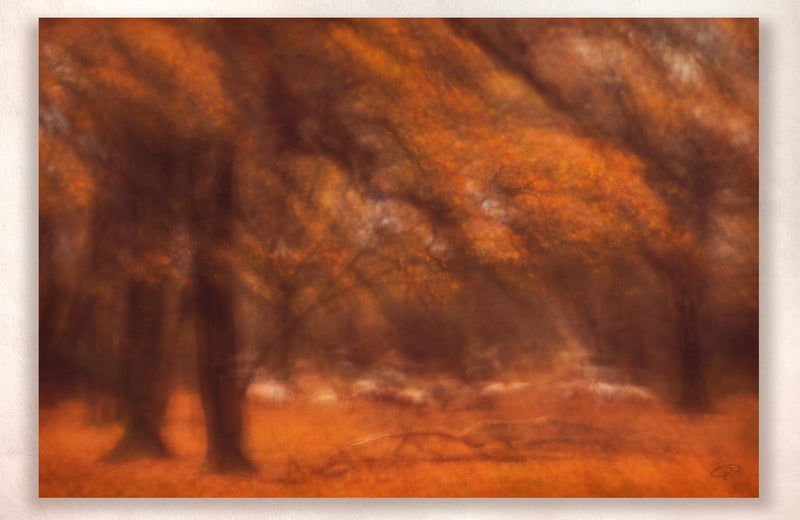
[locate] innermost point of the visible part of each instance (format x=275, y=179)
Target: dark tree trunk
x=217, y=347
x=694, y=395
x=685, y=282
x=281, y=362
x=144, y=384
x=101, y=351
x=216, y=367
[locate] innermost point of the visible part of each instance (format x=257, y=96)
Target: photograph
x=398, y=257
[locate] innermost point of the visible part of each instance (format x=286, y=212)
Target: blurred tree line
x=222, y=195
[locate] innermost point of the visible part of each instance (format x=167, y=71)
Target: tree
x=680, y=95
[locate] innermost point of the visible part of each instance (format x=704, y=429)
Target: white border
x=779, y=252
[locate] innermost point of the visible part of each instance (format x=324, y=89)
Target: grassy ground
x=531, y=446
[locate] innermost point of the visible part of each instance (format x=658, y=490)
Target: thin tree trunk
x=282, y=348
x=694, y=395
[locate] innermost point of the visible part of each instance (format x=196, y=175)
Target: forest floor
x=534, y=447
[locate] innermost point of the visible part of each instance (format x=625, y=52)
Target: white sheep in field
x=325, y=396
x=619, y=393
x=602, y=392
x=490, y=394
x=399, y=395
x=368, y=388
x=412, y=396
x=270, y=392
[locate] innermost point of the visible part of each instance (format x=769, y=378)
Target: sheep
x=270, y=392
x=492, y=393
x=605, y=392
x=411, y=396
x=405, y=395
x=325, y=396
x=368, y=388
x=611, y=392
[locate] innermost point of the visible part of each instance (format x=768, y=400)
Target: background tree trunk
x=694, y=395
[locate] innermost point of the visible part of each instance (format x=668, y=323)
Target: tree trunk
x=144, y=386
x=217, y=347
x=694, y=395
x=281, y=360
x=216, y=368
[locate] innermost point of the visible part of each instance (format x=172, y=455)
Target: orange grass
x=639, y=451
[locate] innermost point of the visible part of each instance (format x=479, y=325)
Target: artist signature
x=725, y=470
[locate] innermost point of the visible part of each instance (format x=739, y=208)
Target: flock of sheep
x=443, y=393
